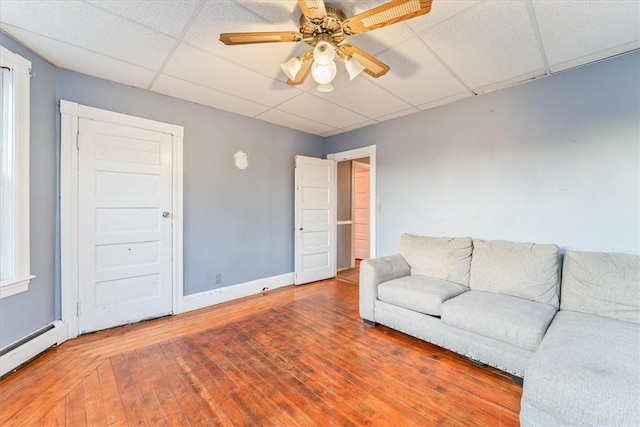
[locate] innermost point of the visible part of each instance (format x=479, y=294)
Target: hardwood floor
x=293, y=356
x=350, y=274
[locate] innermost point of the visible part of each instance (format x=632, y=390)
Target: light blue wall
x=26, y=312
x=554, y=160
x=237, y=223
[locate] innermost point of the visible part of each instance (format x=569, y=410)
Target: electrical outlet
x=218, y=278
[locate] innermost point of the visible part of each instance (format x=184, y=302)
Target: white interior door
x=315, y=219
x=361, y=210
x=125, y=248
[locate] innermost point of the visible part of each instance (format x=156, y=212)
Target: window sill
x=13, y=287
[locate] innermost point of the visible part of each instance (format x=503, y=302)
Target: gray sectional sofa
x=576, y=342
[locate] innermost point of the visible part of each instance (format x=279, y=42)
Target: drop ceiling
x=460, y=49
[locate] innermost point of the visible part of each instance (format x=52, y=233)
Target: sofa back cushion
x=438, y=257
x=525, y=270
x=606, y=284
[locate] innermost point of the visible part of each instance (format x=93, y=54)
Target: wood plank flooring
x=295, y=356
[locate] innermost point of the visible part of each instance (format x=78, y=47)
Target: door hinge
x=78, y=141
x=78, y=310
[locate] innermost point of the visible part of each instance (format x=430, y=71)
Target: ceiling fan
x=325, y=27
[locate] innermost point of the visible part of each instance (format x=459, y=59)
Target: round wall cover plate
x=241, y=159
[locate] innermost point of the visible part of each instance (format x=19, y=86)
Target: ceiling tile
x=363, y=96
x=354, y=7
x=402, y=113
x=169, y=17
x=84, y=25
x=281, y=12
x=440, y=11
x=264, y=58
x=460, y=47
x=218, y=17
x=83, y=61
x=177, y=88
x=228, y=17
x=447, y=100
x=489, y=43
x=295, y=122
x=577, y=32
x=319, y=110
x=416, y=75
x=379, y=40
x=194, y=65
x=360, y=125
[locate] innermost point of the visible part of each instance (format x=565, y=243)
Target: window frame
x=15, y=218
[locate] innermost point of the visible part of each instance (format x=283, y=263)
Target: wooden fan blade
x=265, y=37
x=307, y=62
x=372, y=66
x=314, y=10
x=386, y=14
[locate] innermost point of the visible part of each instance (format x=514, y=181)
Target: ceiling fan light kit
x=354, y=68
x=324, y=53
x=292, y=67
x=325, y=27
x=324, y=74
x=325, y=87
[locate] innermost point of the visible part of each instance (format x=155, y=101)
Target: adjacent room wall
x=553, y=160
x=26, y=312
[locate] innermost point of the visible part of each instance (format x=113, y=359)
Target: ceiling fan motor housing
x=330, y=26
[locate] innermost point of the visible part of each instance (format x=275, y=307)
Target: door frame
x=370, y=152
x=70, y=115
x=355, y=165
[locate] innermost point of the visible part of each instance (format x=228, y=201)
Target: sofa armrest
x=372, y=273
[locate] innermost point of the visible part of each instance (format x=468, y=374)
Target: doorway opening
x=353, y=224
x=355, y=209
x=353, y=221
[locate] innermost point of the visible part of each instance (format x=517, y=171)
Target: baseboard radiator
x=17, y=354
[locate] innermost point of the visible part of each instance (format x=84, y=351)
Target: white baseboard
x=228, y=293
x=33, y=347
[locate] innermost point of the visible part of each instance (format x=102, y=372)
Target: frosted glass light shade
x=323, y=74
x=324, y=53
x=353, y=68
x=325, y=88
x=291, y=67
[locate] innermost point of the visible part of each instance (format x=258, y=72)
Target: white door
x=125, y=248
x=361, y=210
x=315, y=219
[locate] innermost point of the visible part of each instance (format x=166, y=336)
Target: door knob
x=166, y=214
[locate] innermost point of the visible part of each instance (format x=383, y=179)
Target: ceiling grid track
x=186, y=28
x=536, y=30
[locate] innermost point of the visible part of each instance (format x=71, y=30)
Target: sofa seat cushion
x=506, y=318
x=525, y=270
x=586, y=371
x=419, y=293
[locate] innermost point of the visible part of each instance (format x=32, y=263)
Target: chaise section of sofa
x=586, y=371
